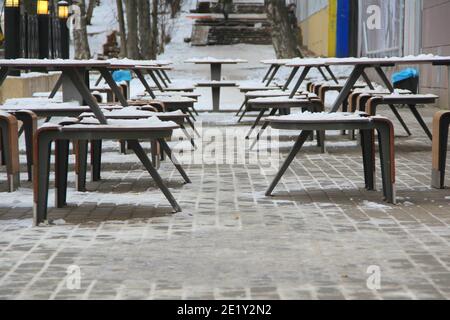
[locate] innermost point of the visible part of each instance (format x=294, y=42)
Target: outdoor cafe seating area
x=107, y=111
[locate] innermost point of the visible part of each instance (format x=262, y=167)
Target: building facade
x=380, y=28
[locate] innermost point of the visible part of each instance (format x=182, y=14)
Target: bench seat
x=306, y=123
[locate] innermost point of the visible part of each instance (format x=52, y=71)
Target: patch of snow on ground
x=374, y=205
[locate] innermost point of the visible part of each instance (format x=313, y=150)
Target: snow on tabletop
x=315, y=61
x=175, y=94
x=58, y=95
x=72, y=119
x=276, y=61
x=320, y=116
x=268, y=93
x=179, y=88
x=49, y=125
x=409, y=95
x=215, y=82
x=128, y=62
x=152, y=122
x=37, y=103
x=135, y=111
x=27, y=75
x=256, y=84
x=279, y=99
x=45, y=62
x=170, y=99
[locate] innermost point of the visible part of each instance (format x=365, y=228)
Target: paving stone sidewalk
x=316, y=239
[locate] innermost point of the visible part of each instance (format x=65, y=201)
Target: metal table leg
x=57, y=86
x=295, y=149
x=161, y=77
x=324, y=76
x=258, y=118
x=266, y=76
x=144, y=82
x=354, y=76
x=155, y=80
x=164, y=73
x=216, y=98
x=114, y=87
x=140, y=153
x=332, y=74
x=389, y=86
x=76, y=80
x=290, y=78
x=300, y=81
x=3, y=74
x=272, y=76
x=263, y=128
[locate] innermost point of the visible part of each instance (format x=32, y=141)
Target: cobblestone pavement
x=316, y=239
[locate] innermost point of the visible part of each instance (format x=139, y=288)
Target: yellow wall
x=332, y=27
x=315, y=32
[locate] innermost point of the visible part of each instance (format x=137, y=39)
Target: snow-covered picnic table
x=75, y=87
x=216, y=75
x=360, y=65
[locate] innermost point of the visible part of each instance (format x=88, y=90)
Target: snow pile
x=374, y=206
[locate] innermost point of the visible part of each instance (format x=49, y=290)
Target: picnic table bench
x=441, y=123
x=10, y=149
x=129, y=130
x=216, y=82
x=307, y=123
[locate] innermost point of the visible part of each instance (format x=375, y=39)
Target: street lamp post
x=63, y=15
x=12, y=31
x=44, y=28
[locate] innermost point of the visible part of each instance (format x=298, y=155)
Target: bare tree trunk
x=283, y=39
x=155, y=6
x=123, y=33
x=90, y=11
x=145, y=35
x=80, y=36
x=175, y=7
x=132, y=24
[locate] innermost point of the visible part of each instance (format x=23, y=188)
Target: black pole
x=12, y=35
x=65, y=45
x=44, y=34
x=354, y=28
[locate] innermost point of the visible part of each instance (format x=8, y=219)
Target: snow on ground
x=104, y=21
x=186, y=74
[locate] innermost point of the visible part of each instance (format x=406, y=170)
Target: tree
x=283, y=39
x=132, y=26
x=90, y=11
x=175, y=7
x=145, y=35
x=155, y=9
x=80, y=36
x=123, y=33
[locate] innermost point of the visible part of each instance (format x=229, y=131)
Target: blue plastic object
x=404, y=75
x=343, y=28
x=121, y=75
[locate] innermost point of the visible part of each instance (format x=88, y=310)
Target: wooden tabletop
x=52, y=63
x=423, y=59
x=279, y=62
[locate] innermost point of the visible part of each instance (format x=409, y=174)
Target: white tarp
x=381, y=28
